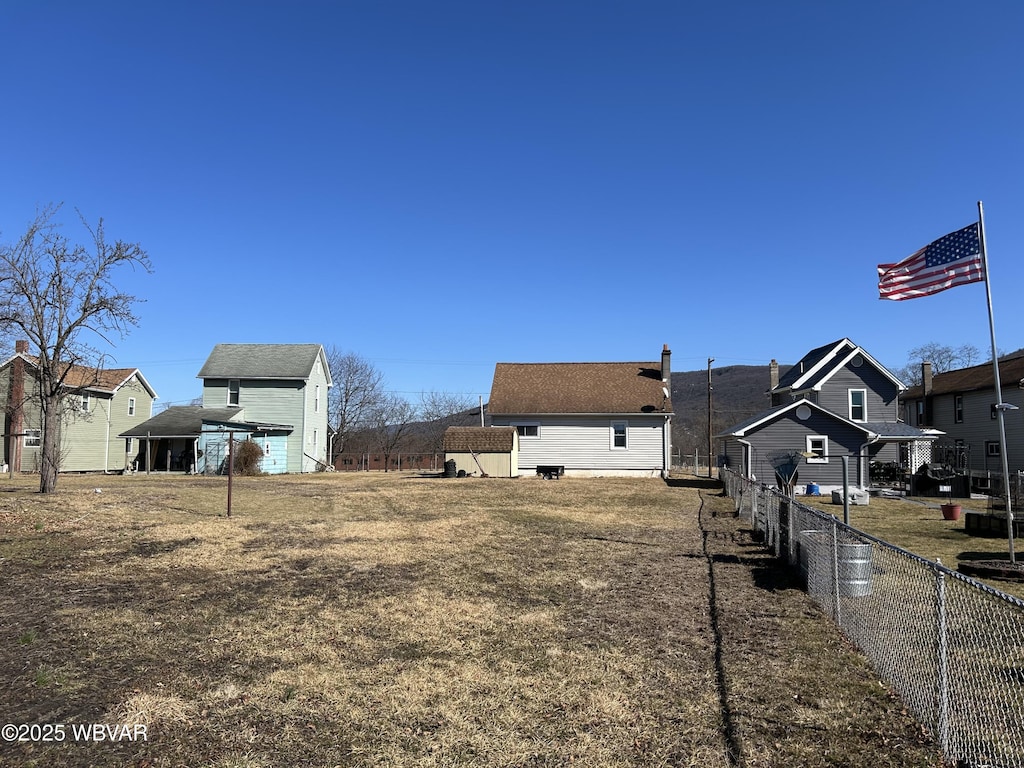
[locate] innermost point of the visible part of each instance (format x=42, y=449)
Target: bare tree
x=392, y=420
x=440, y=410
x=358, y=390
x=942, y=357
x=61, y=298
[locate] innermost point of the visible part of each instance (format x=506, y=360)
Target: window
x=818, y=445
x=920, y=413
x=233, y=391
x=32, y=438
x=528, y=430
x=131, y=408
x=993, y=413
x=85, y=403
x=128, y=445
x=958, y=409
x=858, y=405
x=619, y=434
x=992, y=448
x=316, y=400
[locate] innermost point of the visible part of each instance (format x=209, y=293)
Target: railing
x=950, y=646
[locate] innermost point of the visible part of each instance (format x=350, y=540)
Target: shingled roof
x=84, y=377
x=821, y=364
x=188, y=420
x=1011, y=374
x=578, y=388
x=479, y=439
x=260, y=361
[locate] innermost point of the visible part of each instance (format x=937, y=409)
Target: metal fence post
x=783, y=524
x=942, y=660
x=837, y=613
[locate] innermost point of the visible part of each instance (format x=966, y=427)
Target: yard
x=395, y=620
x=916, y=525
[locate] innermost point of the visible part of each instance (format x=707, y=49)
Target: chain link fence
x=950, y=646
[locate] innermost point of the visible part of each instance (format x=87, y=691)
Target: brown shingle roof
x=84, y=377
x=479, y=439
x=1011, y=374
x=619, y=388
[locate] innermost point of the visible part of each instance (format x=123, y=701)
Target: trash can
x=450, y=468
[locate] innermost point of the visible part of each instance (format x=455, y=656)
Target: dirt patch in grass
x=395, y=620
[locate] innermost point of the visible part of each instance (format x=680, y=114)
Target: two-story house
x=99, y=405
x=962, y=404
x=274, y=394
x=836, y=402
x=589, y=419
x=280, y=384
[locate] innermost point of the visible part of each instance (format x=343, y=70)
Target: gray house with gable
x=836, y=402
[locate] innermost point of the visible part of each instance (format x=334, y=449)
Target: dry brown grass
x=372, y=620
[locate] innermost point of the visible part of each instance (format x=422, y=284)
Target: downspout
x=106, y=445
x=666, y=458
x=861, y=473
x=747, y=458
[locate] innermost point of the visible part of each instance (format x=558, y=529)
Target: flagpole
x=1000, y=406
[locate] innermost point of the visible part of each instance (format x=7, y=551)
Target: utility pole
x=710, y=448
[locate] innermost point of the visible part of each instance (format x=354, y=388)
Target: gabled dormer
x=846, y=380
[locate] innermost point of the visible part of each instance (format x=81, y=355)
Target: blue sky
x=440, y=186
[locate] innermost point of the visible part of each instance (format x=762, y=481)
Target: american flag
x=954, y=259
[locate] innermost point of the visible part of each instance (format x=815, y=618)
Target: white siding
x=314, y=420
x=583, y=445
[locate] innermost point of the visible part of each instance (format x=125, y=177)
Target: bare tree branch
x=358, y=390
x=61, y=298
x=440, y=410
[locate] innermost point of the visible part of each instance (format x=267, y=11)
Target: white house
x=589, y=419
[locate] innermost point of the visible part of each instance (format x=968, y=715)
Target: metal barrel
x=854, y=570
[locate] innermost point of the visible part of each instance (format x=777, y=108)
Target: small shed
x=493, y=451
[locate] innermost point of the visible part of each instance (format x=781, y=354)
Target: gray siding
x=882, y=395
x=978, y=427
x=733, y=452
x=788, y=433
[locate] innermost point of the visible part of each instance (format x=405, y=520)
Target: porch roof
x=186, y=421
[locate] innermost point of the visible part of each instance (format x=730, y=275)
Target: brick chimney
x=925, y=415
x=773, y=374
x=666, y=368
